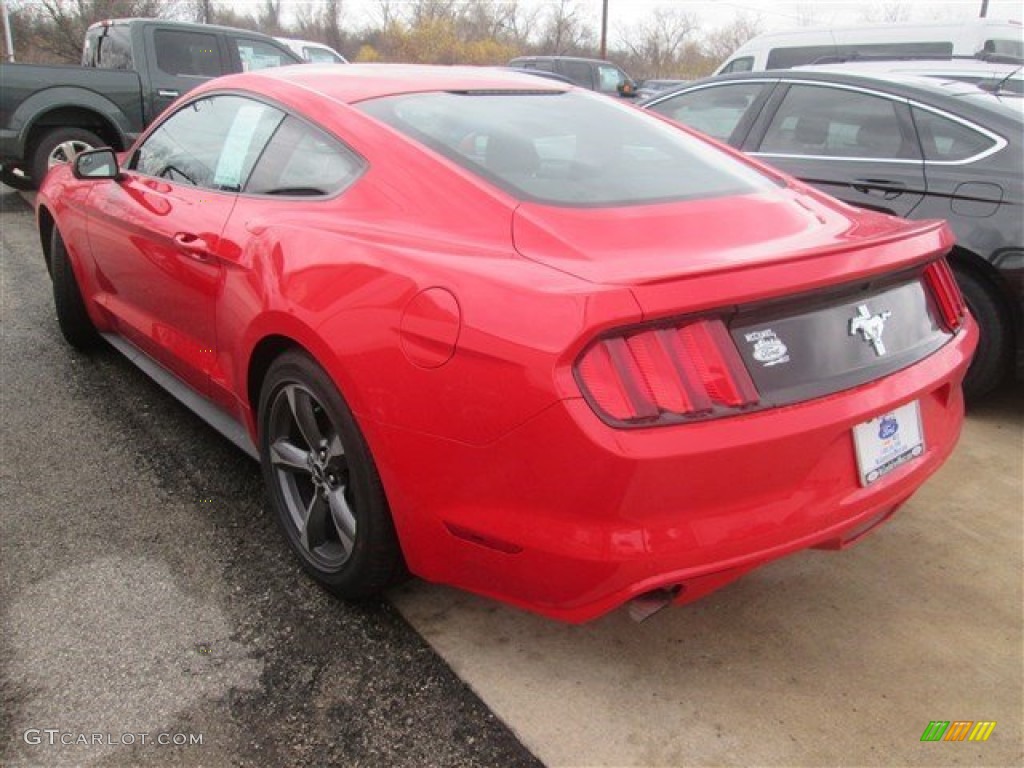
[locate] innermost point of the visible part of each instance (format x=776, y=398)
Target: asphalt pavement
x=146, y=595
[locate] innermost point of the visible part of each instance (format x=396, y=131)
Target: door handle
x=884, y=188
x=166, y=94
x=193, y=245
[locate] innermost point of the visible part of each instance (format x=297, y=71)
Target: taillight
x=947, y=294
x=680, y=372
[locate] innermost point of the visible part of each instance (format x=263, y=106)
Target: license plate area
x=888, y=441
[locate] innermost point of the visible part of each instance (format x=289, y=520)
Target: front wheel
x=72, y=317
x=58, y=146
x=322, y=481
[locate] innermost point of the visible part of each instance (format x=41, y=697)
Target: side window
x=212, y=142
x=579, y=72
x=746, y=64
x=1006, y=47
x=610, y=78
x=256, y=54
x=546, y=66
x=303, y=160
x=947, y=140
x=786, y=58
x=192, y=54
x=937, y=49
x=834, y=122
x=715, y=111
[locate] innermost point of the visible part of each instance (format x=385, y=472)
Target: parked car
x=592, y=74
x=315, y=53
x=514, y=336
x=922, y=148
x=653, y=87
x=793, y=48
x=132, y=69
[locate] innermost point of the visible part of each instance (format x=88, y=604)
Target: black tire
x=75, y=324
x=322, y=482
x=14, y=180
x=992, y=359
x=59, y=144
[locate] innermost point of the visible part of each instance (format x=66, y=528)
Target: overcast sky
x=775, y=15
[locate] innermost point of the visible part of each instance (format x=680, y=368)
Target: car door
x=182, y=59
x=856, y=144
x=155, y=234
x=723, y=111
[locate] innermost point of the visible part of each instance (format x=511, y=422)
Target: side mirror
x=96, y=164
x=627, y=88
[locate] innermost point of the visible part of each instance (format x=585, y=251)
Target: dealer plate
x=887, y=441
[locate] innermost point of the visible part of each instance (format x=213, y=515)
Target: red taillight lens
x=947, y=294
x=665, y=375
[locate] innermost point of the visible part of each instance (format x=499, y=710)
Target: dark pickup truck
x=132, y=69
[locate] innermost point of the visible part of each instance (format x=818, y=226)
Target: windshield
x=567, y=148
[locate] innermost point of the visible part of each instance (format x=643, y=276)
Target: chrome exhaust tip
x=642, y=607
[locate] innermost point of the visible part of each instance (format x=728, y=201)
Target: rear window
x=108, y=47
x=571, y=149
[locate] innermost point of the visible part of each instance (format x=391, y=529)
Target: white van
x=782, y=50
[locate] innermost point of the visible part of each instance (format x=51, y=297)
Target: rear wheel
x=322, y=481
x=992, y=358
x=58, y=146
x=75, y=324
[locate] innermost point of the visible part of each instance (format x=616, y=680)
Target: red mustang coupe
x=512, y=336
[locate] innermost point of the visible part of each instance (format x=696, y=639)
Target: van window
x=1004, y=47
x=744, y=64
x=784, y=58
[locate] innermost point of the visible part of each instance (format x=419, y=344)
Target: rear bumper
x=570, y=518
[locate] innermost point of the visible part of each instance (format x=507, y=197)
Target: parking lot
x=145, y=590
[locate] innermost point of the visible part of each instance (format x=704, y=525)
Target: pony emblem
x=870, y=327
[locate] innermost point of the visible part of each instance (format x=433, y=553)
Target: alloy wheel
x=312, y=474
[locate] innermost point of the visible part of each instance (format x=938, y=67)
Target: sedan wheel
x=312, y=476
x=322, y=481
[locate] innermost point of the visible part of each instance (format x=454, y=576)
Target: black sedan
x=910, y=146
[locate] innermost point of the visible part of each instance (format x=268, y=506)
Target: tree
x=656, y=45
x=564, y=31
x=723, y=41
x=53, y=30
x=887, y=12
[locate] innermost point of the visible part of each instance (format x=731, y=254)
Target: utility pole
x=8, y=42
x=604, y=29
x=984, y=9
